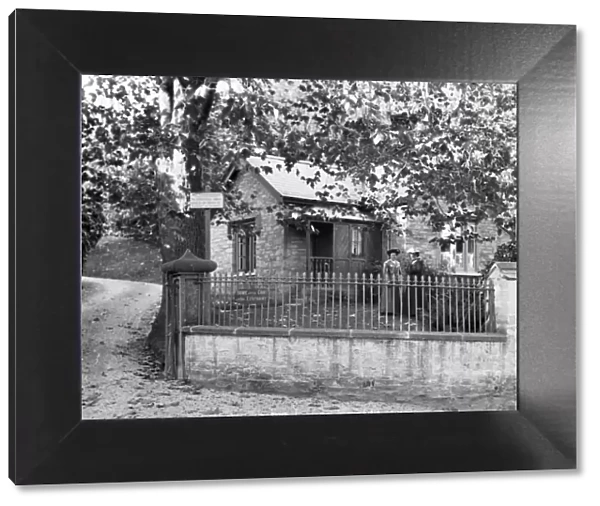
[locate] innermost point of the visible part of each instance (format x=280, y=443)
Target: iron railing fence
x=463, y=304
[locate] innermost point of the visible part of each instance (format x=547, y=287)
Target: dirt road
x=121, y=379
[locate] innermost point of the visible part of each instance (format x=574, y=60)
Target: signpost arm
x=207, y=302
x=207, y=233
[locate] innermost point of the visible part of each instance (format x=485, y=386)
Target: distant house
x=340, y=238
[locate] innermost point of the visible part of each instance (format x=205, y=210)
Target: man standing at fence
x=415, y=291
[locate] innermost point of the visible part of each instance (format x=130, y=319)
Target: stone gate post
x=188, y=293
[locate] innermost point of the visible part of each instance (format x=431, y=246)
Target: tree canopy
x=442, y=151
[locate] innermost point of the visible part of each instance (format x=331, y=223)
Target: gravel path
x=122, y=380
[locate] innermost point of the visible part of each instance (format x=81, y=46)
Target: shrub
x=506, y=252
x=463, y=313
x=93, y=220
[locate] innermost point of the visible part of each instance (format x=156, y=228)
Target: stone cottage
x=339, y=239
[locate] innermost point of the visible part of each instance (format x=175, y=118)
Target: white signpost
x=206, y=201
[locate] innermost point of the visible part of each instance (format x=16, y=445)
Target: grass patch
x=124, y=258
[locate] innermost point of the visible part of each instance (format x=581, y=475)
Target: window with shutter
x=244, y=251
x=357, y=243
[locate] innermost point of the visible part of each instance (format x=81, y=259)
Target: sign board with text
x=206, y=200
x=256, y=296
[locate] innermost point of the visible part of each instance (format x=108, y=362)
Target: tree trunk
x=178, y=234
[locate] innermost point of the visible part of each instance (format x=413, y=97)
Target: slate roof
x=290, y=184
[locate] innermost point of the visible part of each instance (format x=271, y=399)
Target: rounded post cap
x=188, y=262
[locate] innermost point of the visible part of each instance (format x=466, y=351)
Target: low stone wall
x=392, y=370
x=365, y=365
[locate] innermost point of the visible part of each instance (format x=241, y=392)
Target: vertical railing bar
x=371, y=297
x=225, y=298
x=355, y=300
x=259, y=282
x=386, y=301
x=310, y=297
x=393, y=290
x=401, y=301
x=393, y=302
x=341, y=309
x=281, y=289
x=422, y=290
x=370, y=289
x=492, y=308
x=450, y=302
x=348, y=301
x=482, y=306
x=198, y=303
x=456, y=304
x=429, y=299
x=307, y=293
x=229, y=297
x=409, y=300
x=326, y=299
x=296, y=301
x=238, y=284
x=245, y=308
x=288, y=281
x=462, y=308
x=262, y=285
x=269, y=285
x=437, y=299
x=364, y=302
x=444, y=304
x=468, y=315
x=380, y=299
x=318, y=299
x=218, y=304
x=469, y=299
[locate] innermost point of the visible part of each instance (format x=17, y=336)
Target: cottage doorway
x=322, y=248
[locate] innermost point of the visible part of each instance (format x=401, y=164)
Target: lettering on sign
x=206, y=200
x=256, y=296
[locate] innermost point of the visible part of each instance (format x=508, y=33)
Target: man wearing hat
x=391, y=276
x=415, y=270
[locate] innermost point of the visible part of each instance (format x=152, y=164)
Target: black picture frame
x=49, y=443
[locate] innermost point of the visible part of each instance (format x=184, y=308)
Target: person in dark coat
x=415, y=270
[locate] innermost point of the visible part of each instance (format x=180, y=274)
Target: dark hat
x=393, y=250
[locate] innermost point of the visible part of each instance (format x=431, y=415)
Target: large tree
x=446, y=152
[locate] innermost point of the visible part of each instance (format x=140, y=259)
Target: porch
x=341, y=248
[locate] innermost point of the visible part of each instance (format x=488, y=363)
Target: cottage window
x=357, y=242
x=244, y=236
x=459, y=255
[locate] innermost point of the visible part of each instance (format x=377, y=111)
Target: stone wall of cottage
x=487, y=249
x=295, y=250
x=221, y=248
x=419, y=234
x=270, y=246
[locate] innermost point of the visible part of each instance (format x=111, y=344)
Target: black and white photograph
x=256, y=247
